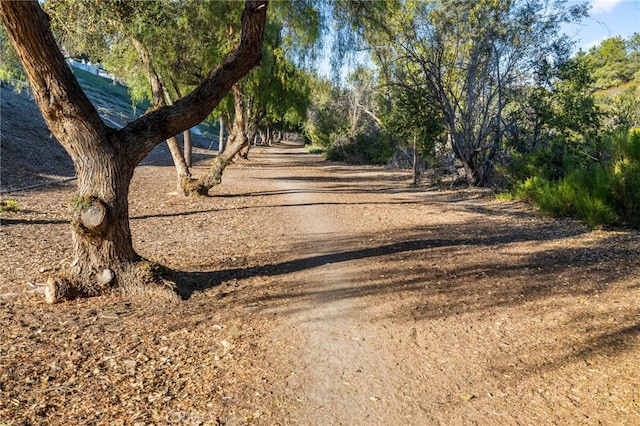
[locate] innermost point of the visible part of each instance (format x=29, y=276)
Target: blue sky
x=608, y=18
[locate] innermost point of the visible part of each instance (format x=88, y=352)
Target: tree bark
x=160, y=98
x=221, y=137
x=415, y=161
x=188, y=147
x=236, y=141
x=186, y=135
x=104, y=158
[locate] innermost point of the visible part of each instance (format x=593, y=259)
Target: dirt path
x=326, y=294
x=438, y=308
x=342, y=370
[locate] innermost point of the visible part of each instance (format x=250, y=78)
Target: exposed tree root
x=141, y=278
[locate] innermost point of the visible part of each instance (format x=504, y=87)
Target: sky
x=607, y=18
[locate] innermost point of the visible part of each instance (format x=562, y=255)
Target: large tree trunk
x=105, y=158
x=105, y=259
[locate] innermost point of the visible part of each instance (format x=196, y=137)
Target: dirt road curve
x=324, y=294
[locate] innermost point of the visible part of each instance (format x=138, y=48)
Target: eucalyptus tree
x=105, y=158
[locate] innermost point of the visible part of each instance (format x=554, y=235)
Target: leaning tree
x=105, y=158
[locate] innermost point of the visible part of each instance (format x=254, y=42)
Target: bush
x=373, y=148
x=626, y=176
x=9, y=206
x=604, y=192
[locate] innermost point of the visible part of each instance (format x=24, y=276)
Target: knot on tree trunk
x=92, y=215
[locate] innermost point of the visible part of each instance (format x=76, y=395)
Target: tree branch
x=149, y=130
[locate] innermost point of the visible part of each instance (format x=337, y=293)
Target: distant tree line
x=495, y=86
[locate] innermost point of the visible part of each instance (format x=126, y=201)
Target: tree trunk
x=105, y=158
x=236, y=142
x=221, y=137
x=186, y=135
x=104, y=257
x=415, y=161
x=188, y=147
x=160, y=98
x=180, y=163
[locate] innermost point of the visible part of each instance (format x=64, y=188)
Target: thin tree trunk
x=221, y=137
x=180, y=163
x=236, y=141
x=160, y=98
x=188, y=147
x=415, y=161
x=186, y=135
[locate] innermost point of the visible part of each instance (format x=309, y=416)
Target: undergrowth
x=9, y=206
x=315, y=149
x=600, y=191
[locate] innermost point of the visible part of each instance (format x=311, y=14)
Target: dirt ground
x=324, y=294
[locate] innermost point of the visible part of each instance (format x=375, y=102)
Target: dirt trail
x=350, y=358
x=342, y=370
x=325, y=294
x=437, y=308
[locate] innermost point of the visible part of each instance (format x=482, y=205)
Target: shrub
x=365, y=148
x=9, y=206
x=626, y=176
x=604, y=192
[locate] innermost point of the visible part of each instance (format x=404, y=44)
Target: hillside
x=30, y=155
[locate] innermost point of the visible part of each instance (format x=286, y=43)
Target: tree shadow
x=517, y=274
x=409, y=242
x=262, y=206
x=8, y=222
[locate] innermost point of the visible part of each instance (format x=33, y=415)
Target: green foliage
x=9, y=206
x=327, y=114
x=10, y=67
x=575, y=109
x=81, y=202
x=315, y=149
x=409, y=115
x=582, y=194
x=614, y=61
x=599, y=191
x=372, y=148
x=343, y=120
x=626, y=175
x=457, y=65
